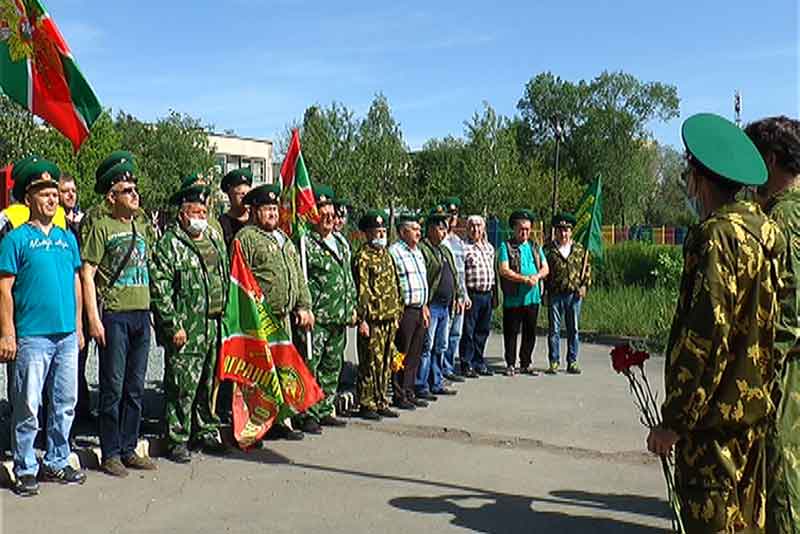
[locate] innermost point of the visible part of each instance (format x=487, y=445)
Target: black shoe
x=329, y=420
x=213, y=446
x=67, y=475
x=485, y=372
x=404, y=405
x=386, y=412
x=428, y=396
x=444, y=391
x=454, y=378
x=419, y=403
x=470, y=373
x=370, y=415
x=26, y=486
x=311, y=427
x=180, y=454
x=284, y=432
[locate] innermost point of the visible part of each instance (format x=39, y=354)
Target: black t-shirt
x=444, y=293
x=229, y=226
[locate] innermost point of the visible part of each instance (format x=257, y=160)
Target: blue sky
x=253, y=66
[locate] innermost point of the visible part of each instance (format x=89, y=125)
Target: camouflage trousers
x=783, y=457
x=327, y=354
x=721, y=481
x=375, y=355
x=188, y=386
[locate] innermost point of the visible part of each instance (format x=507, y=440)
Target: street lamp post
x=559, y=132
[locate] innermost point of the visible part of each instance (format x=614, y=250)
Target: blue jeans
x=49, y=365
x=477, y=324
x=564, y=308
x=429, y=373
x=123, y=364
x=453, y=341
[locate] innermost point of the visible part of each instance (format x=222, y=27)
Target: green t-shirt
x=105, y=245
x=216, y=298
x=526, y=295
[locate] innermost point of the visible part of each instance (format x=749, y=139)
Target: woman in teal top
x=522, y=267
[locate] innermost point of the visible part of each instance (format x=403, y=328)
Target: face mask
x=197, y=226
x=379, y=242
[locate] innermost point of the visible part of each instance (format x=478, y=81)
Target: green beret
x=237, y=177
x=521, y=215
x=263, y=194
x=452, y=204
x=31, y=171
x=323, y=194
x=372, y=219
x=724, y=149
x=193, y=193
x=408, y=218
x=563, y=218
x=118, y=167
x=437, y=215
x=342, y=206
x=192, y=179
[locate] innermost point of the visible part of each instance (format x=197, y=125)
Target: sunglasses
x=131, y=189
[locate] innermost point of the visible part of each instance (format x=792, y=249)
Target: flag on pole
x=38, y=71
x=588, y=229
x=297, y=199
x=271, y=380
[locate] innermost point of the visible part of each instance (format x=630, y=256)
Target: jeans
x=453, y=341
x=123, y=364
x=564, y=308
x=429, y=373
x=477, y=324
x=45, y=365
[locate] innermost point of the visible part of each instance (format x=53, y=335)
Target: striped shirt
x=479, y=265
x=456, y=246
x=411, y=272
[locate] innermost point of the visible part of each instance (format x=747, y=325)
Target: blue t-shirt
x=526, y=295
x=44, y=287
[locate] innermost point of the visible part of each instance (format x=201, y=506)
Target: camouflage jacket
x=330, y=280
x=277, y=269
x=720, y=366
x=435, y=256
x=565, y=273
x=377, y=285
x=179, y=286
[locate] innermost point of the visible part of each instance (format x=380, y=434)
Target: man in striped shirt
x=480, y=280
x=412, y=278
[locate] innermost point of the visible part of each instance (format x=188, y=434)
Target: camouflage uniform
x=783, y=440
x=182, y=289
x=380, y=305
x=333, y=300
x=720, y=369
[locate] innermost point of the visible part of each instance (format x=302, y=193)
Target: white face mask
x=379, y=242
x=197, y=226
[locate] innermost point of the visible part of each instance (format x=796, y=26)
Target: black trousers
x=408, y=341
x=523, y=317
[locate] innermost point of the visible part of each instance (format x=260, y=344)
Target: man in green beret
x=778, y=141
x=188, y=280
x=566, y=284
x=41, y=334
x=275, y=263
x=236, y=184
x=330, y=284
x=720, y=368
x=522, y=266
x=452, y=205
x=378, y=313
x=116, y=285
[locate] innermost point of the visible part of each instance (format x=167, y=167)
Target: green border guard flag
x=588, y=229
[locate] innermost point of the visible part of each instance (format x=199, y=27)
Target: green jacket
x=435, y=256
x=720, y=366
x=375, y=277
x=330, y=280
x=179, y=286
x=276, y=268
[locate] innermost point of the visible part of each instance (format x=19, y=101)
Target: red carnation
x=638, y=358
x=620, y=357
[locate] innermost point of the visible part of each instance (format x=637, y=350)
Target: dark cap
x=372, y=219
x=563, y=219
x=119, y=166
x=31, y=172
x=262, y=195
x=235, y=178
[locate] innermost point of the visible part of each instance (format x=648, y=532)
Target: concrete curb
x=601, y=339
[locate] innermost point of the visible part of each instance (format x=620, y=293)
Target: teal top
x=526, y=295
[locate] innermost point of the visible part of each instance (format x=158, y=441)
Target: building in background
x=234, y=152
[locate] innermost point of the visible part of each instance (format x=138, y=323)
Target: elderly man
x=236, y=185
x=720, y=369
x=37, y=261
x=778, y=141
x=115, y=273
x=456, y=245
x=188, y=286
x=378, y=313
x=330, y=284
x=480, y=279
x=413, y=282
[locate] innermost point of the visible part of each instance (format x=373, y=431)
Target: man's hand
x=179, y=339
x=305, y=319
x=8, y=348
x=426, y=316
x=81, y=338
x=661, y=440
x=467, y=303
x=353, y=319
x=97, y=332
x=363, y=329
x=581, y=292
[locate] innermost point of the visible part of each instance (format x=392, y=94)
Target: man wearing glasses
x=116, y=284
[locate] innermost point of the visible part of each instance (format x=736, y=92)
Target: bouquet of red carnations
x=625, y=360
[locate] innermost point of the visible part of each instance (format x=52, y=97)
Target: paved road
x=506, y=455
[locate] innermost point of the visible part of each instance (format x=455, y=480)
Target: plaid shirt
x=411, y=272
x=479, y=265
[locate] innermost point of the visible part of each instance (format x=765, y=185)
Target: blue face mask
x=379, y=242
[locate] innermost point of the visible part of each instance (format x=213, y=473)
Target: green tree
x=439, y=170
x=21, y=134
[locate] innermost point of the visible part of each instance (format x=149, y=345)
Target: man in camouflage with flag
x=720, y=367
x=778, y=141
x=188, y=284
x=330, y=283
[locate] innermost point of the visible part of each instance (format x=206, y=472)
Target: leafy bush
x=636, y=264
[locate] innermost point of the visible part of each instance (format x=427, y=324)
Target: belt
x=478, y=291
x=415, y=307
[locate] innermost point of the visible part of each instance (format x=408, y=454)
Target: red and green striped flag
x=271, y=381
x=37, y=70
x=297, y=199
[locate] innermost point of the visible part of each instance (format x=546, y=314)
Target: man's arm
x=79, y=312
x=96, y=330
x=8, y=334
